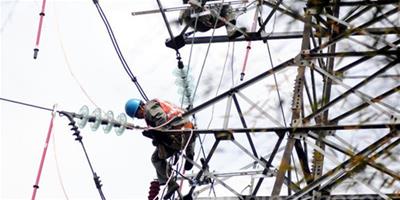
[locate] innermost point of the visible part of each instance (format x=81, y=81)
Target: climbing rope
x=67, y=62
x=58, y=168
x=180, y=158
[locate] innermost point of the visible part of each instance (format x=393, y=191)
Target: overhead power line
x=27, y=104
x=89, y=118
x=118, y=50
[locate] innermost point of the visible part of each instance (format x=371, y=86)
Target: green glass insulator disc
x=97, y=115
x=110, y=118
x=84, y=112
x=121, y=119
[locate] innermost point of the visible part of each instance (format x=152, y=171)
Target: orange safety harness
x=173, y=111
x=170, y=110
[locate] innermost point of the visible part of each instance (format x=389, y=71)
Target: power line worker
x=162, y=115
x=207, y=22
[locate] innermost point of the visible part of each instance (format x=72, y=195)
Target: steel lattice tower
x=339, y=40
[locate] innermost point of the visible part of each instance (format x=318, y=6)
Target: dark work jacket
x=157, y=113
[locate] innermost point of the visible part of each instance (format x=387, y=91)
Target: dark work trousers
x=159, y=160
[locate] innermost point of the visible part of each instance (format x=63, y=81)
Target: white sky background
x=123, y=163
x=74, y=36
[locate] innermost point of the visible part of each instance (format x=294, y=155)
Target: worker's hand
x=155, y=142
x=148, y=133
x=157, y=136
x=151, y=133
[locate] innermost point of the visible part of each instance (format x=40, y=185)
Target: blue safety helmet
x=131, y=107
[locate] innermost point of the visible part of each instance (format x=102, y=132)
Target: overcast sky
x=76, y=57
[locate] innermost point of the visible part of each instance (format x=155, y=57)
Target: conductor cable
x=118, y=51
x=78, y=138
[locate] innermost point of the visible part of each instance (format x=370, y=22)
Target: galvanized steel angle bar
x=366, y=2
x=244, y=124
x=297, y=129
x=340, y=71
x=269, y=163
x=342, y=172
x=239, y=87
x=264, y=163
x=350, y=152
x=262, y=111
x=293, y=14
x=366, y=151
x=350, y=90
x=354, y=54
x=203, y=171
x=265, y=171
x=303, y=158
x=283, y=167
x=354, y=15
x=262, y=26
x=364, y=105
x=328, y=186
x=353, y=30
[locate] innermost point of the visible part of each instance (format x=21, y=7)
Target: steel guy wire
x=212, y=109
x=27, y=104
x=276, y=86
x=206, y=56
x=219, y=84
x=204, y=62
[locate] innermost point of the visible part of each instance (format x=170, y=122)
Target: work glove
x=155, y=142
x=151, y=133
x=157, y=136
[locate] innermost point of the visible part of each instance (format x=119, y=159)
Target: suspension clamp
x=176, y=42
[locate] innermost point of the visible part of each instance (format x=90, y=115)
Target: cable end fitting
x=180, y=65
x=35, y=53
x=242, y=76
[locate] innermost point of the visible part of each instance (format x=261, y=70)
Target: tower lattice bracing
x=333, y=127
